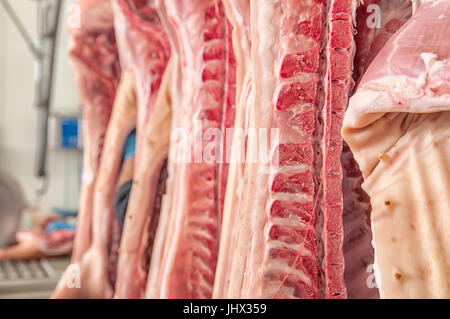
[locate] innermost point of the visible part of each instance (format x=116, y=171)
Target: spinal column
x=290, y=232
x=189, y=259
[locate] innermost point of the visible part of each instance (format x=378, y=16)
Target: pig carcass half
x=397, y=126
x=93, y=53
x=144, y=48
x=183, y=265
x=289, y=221
x=98, y=264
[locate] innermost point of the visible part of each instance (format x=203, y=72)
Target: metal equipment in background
x=30, y=279
x=43, y=50
x=12, y=204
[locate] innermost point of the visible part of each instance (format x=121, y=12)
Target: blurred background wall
x=18, y=116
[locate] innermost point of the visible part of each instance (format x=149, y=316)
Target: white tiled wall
x=18, y=116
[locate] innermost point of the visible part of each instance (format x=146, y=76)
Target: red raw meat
x=93, y=54
x=144, y=48
x=396, y=125
x=187, y=240
x=289, y=241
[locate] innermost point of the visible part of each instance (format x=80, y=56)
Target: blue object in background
x=59, y=225
x=129, y=149
x=69, y=132
x=64, y=212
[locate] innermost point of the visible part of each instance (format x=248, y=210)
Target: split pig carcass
x=93, y=53
x=144, y=48
x=98, y=263
x=397, y=127
x=188, y=236
x=278, y=207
